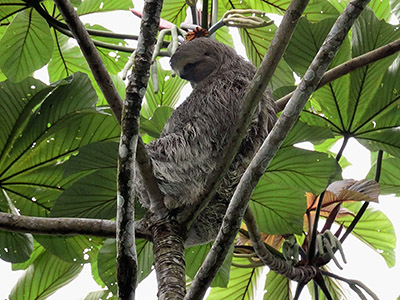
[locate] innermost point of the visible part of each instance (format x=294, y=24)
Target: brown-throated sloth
x=196, y=134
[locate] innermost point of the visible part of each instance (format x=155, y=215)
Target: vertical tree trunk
x=169, y=260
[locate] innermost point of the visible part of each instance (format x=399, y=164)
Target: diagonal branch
x=239, y=201
x=251, y=99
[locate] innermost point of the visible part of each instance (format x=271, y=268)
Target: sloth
x=195, y=136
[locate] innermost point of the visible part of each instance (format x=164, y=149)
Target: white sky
x=363, y=263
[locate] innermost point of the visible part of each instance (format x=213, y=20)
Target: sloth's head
x=199, y=58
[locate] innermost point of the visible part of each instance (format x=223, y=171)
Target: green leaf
x=92, y=6
x=17, y=100
x=37, y=251
x=74, y=249
x=27, y=45
x=93, y=157
x=168, y=94
x=194, y=258
x=113, y=60
x=243, y=283
x=93, y=196
x=389, y=181
x=32, y=171
x=106, y=264
x=278, y=209
x=256, y=42
x=302, y=132
x=67, y=59
x=155, y=124
x=15, y=247
x=174, y=11
x=47, y=274
x=277, y=287
x=301, y=169
x=10, y=7
x=375, y=230
x=107, y=256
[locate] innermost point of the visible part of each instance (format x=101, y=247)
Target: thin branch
x=351, y=65
x=93, y=58
x=251, y=99
x=353, y=285
x=278, y=265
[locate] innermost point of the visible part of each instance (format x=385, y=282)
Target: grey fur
x=195, y=136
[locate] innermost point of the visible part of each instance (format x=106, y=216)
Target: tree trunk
x=169, y=260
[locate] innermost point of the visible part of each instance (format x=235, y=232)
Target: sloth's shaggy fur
x=196, y=134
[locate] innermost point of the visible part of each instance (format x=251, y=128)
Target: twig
x=251, y=99
x=353, y=285
x=349, y=66
x=276, y=264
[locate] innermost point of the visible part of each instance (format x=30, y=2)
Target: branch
x=349, y=66
x=93, y=58
x=239, y=201
x=57, y=226
x=137, y=85
x=251, y=99
x=66, y=226
x=301, y=274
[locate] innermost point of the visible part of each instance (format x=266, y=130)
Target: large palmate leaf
x=43, y=128
x=243, y=283
x=47, y=274
x=363, y=104
x=375, y=230
x=27, y=45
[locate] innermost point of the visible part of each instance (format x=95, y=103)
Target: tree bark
x=169, y=260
